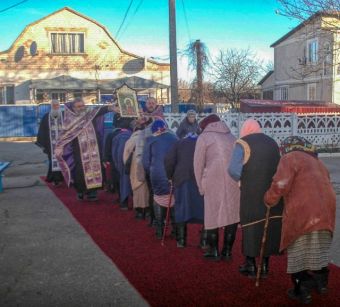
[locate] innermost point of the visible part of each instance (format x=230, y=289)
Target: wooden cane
x=167, y=219
x=263, y=244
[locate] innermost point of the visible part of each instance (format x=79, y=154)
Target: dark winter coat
x=179, y=161
x=155, y=149
x=185, y=127
x=118, y=145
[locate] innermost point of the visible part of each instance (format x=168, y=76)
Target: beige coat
x=221, y=193
x=137, y=174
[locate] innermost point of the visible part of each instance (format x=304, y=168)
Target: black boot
x=229, y=238
x=160, y=216
x=123, y=205
x=249, y=267
x=204, y=239
x=213, y=253
x=300, y=292
x=321, y=280
x=181, y=236
x=139, y=214
x=265, y=267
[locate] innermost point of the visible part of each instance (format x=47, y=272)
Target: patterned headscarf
x=297, y=143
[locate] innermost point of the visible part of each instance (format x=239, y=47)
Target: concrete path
x=47, y=258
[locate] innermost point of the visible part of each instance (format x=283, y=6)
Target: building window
x=312, y=49
x=283, y=93
x=67, y=43
x=61, y=96
x=311, y=91
x=327, y=59
x=7, y=94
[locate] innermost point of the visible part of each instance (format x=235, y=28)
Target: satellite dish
x=19, y=54
x=33, y=49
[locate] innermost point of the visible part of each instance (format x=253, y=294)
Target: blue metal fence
x=23, y=120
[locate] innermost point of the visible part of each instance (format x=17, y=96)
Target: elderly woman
x=254, y=162
x=308, y=218
x=155, y=149
x=188, y=124
x=134, y=150
x=221, y=194
x=189, y=204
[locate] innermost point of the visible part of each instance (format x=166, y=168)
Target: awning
x=69, y=83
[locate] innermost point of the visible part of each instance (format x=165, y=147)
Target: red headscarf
x=212, y=118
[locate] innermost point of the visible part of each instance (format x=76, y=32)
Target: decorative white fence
x=322, y=129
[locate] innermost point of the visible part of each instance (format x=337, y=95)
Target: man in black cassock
x=49, y=130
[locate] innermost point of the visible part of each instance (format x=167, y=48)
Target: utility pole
x=173, y=55
x=199, y=75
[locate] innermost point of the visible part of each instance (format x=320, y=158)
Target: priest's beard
x=55, y=113
x=81, y=113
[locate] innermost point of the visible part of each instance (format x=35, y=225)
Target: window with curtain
x=312, y=51
x=67, y=43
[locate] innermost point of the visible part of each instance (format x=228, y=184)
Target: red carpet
x=169, y=276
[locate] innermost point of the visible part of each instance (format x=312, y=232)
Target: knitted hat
x=158, y=125
x=212, y=118
x=191, y=112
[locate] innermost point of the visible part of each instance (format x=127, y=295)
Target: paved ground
x=46, y=257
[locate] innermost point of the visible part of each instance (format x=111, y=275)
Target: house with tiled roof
x=67, y=55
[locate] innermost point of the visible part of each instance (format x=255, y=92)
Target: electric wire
x=123, y=21
x=12, y=6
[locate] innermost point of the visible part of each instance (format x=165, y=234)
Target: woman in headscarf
x=308, y=218
x=189, y=204
x=155, y=149
x=134, y=151
x=254, y=162
x=221, y=194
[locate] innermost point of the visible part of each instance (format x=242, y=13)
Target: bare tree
x=236, y=73
x=303, y=10
x=319, y=18
x=197, y=53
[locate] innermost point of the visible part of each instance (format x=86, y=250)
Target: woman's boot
x=181, y=234
x=212, y=253
x=229, y=239
x=321, y=280
x=300, y=292
x=159, y=216
x=204, y=239
x=265, y=267
x=248, y=268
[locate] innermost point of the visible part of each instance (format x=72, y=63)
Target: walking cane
x=263, y=244
x=167, y=219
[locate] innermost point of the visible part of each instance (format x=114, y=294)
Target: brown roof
x=302, y=24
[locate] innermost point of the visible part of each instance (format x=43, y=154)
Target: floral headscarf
x=297, y=143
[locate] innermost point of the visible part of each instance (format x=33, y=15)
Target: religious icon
x=127, y=101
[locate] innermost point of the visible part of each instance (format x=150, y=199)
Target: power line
x=12, y=6
x=123, y=21
x=186, y=20
x=133, y=15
